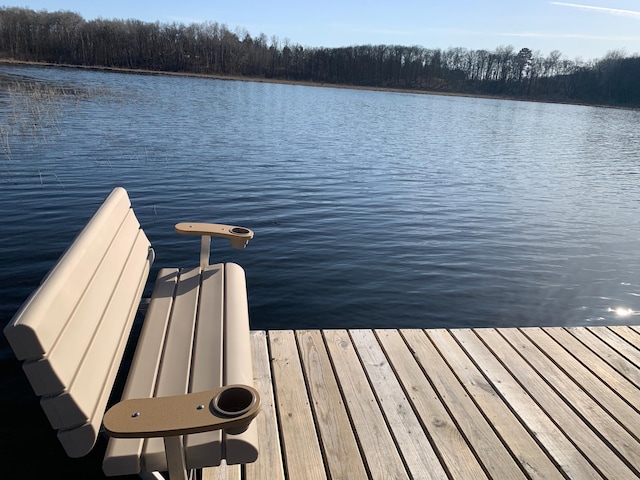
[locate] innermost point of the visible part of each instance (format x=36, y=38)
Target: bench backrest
x=72, y=331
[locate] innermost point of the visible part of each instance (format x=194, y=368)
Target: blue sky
x=585, y=29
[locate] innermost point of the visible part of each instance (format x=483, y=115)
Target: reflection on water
x=623, y=311
x=370, y=209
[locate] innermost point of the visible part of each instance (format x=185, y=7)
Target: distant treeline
x=211, y=48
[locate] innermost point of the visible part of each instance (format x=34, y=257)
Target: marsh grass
x=31, y=110
x=35, y=107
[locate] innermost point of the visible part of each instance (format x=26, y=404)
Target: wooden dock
x=531, y=403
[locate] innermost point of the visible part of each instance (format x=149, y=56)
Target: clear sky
x=586, y=29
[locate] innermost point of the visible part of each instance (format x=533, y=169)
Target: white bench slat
x=51, y=374
x=89, y=392
x=123, y=455
x=173, y=378
x=238, y=365
x=205, y=449
x=34, y=330
x=78, y=401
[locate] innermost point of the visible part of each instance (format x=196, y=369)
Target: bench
x=188, y=399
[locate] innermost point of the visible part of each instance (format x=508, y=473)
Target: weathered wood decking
x=539, y=403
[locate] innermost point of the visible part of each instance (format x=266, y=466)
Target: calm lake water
x=370, y=209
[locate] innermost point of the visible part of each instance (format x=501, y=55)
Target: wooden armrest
x=230, y=408
x=239, y=236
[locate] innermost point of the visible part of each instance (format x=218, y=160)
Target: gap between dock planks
x=530, y=403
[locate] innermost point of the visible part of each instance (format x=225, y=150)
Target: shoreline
x=239, y=78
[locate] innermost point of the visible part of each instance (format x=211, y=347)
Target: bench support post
x=176, y=463
x=205, y=247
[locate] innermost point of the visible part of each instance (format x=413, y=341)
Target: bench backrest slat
x=73, y=330
x=93, y=374
x=94, y=380
x=36, y=326
x=53, y=373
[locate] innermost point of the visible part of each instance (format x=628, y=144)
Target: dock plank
x=412, y=441
x=337, y=439
x=496, y=460
x=378, y=448
x=532, y=458
x=629, y=334
x=626, y=368
x=557, y=406
x=609, y=396
x=302, y=456
x=223, y=472
x=457, y=457
x=600, y=368
x=583, y=402
x=619, y=344
x=561, y=449
x=269, y=463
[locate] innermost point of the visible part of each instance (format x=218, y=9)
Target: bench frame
x=90, y=297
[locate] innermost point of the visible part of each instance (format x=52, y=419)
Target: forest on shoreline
x=65, y=38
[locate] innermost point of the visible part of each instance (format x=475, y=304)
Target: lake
x=370, y=209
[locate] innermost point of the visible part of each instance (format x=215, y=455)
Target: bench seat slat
x=173, y=378
x=205, y=449
x=123, y=455
x=238, y=365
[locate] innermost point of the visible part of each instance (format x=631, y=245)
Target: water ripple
x=370, y=209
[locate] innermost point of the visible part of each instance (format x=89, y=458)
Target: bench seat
x=182, y=349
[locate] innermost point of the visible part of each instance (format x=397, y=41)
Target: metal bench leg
x=205, y=249
x=175, y=458
x=151, y=476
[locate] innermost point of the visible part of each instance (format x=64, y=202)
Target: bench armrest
x=230, y=408
x=238, y=236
